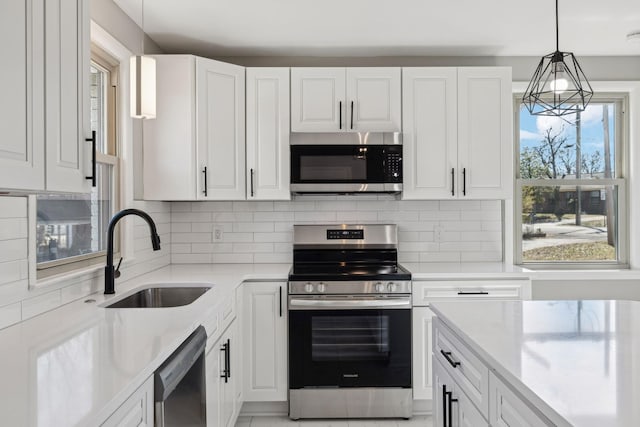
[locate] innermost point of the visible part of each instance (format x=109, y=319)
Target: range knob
x=321, y=287
x=392, y=287
x=379, y=287
x=308, y=287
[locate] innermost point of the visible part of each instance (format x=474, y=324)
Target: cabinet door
x=268, y=134
x=21, y=109
x=485, y=137
x=213, y=367
x=265, y=342
x=429, y=133
x=373, y=99
x=422, y=357
x=451, y=407
x=220, y=130
x=508, y=410
x=67, y=95
x=228, y=389
x=136, y=411
x=318, y=100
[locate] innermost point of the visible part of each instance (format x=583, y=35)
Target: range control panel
x=345, y=234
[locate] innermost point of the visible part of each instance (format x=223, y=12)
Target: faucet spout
x=109, y=271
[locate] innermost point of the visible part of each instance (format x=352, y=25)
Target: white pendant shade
x=143, y=87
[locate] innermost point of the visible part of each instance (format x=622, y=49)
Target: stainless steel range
x=349, y=324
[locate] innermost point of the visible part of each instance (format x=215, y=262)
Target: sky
x=532, y=128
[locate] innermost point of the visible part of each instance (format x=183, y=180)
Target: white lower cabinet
x=265, y=341
x=507, y=409
x=452, y=407
x=426, y=292
x=137, y=410
x=422, y=361
x=222, y=373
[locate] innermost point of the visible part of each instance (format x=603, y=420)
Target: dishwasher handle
x=171, y=372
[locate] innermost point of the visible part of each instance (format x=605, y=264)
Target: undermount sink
x=161, y=297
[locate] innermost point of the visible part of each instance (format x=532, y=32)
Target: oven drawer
x=425, y=292
x=469, y=372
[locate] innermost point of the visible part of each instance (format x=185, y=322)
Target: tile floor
x=422, y=421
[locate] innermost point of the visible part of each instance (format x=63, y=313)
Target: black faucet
x=109, y=271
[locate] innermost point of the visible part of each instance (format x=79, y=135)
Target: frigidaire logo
x=350, y=375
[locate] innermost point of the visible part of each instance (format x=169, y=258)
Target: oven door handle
x=351, y=303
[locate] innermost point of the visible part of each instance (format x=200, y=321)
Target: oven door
x=349, y=345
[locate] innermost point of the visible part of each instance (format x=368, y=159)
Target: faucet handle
x=116, y=274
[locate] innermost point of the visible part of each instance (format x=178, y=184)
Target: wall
x=262, y=232
x=21, y=295
x=607, y=289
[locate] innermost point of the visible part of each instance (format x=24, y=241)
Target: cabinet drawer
x=227, y=310
x=469, y=372
x=426, y=292
x=137, y=410
x=508, y=410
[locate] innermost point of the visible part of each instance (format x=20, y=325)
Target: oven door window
x=349, y=338
x=349, y=348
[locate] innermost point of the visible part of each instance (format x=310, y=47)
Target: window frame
x=104, y=62
x=622, y=161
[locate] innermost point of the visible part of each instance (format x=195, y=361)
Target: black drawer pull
x=92, y=140
x=473, y=293
x=447, y=355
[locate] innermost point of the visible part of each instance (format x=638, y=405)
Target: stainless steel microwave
x=346, y=168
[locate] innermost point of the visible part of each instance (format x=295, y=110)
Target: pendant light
x=558, y=86
x=142, y=82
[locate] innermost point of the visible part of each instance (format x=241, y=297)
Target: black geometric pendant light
x=558, y=86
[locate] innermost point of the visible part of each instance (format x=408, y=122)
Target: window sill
x=67, y=278
x=601, y=274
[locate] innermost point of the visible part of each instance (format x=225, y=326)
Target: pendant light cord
x=557, y=29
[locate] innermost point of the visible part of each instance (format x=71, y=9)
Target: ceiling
x=387, y=28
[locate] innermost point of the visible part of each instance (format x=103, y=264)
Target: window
x=71, y=229
x=570, y=187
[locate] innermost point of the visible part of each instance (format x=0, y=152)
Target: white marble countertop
x=76, y=364
x=576, y=361
x=464, y=270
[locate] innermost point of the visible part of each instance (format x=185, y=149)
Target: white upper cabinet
x=22, y=141
x=268, y=134
x=195, y=148
x=485, y=135
x=458, y=140
x=317, y=99
x=45, y=116
x=67, y=56
x=345, y=100
x=220, y=97
x=373, y=97
x=429, y=132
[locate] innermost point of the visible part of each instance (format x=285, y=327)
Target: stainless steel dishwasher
x=179, y=390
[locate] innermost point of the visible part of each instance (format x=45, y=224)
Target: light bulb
x=559, y=83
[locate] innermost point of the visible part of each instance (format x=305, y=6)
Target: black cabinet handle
x=228, y=363
x=351, y=114
x=204, y=171
x=453, y=179
x=93, y=158
x=464, y=181
x=444, y=405
x=280, y=295
x=340, y=113
x=447, y=355
x=251, y=182
x=450, y=401
x=225, y=373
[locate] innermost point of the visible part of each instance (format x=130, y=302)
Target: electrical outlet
x=218, y=234
x=437, y=233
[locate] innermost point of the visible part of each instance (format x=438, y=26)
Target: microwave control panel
x=393, y=163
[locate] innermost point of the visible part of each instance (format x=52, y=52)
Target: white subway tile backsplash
x=10, y=314
x=12, y=250
x=191, y=258
x=11, y=271
x=481, y=256
x=263, y=231
x=34, y=306
x=191, y=237
x=13, y=228
x=191, y=217
x=13, y=207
